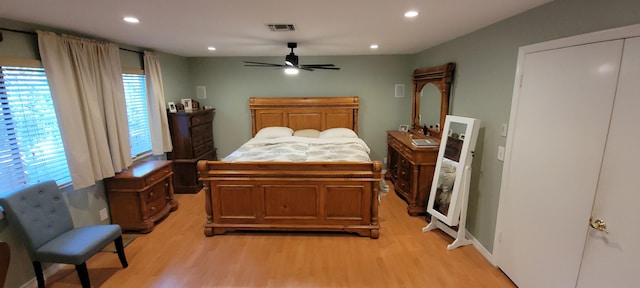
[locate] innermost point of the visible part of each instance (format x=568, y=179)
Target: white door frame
x=600, y=36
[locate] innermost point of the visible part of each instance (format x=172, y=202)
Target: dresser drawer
x=199, y=119
x=405, y=173
x=202, y=149
x=201, y=130
x=402, y=186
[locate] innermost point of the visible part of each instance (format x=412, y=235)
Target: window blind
x=135, y=90
x=31, y=149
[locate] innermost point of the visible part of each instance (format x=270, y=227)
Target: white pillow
x=312, y=133
x=338, y=133
x=274, y=132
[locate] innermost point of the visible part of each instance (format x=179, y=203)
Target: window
x=31, y=149
x=136, y=96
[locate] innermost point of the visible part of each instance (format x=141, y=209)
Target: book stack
x=425, y=143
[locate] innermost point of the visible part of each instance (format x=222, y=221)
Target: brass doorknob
x=599, y=225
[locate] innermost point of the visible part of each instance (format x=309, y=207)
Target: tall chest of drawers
x=411, y=169
x=141, y=195
x=192, y=137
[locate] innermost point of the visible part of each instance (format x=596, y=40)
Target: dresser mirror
x=431, y=87
x=430, y=99
x=453, y=168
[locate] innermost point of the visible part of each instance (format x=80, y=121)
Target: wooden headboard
x=318, y=113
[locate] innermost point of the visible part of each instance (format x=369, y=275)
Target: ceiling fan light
x=291, y=71
x=291, y=59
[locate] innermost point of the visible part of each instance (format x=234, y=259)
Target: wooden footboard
x=281, y=196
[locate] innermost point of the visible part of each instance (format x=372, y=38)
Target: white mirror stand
x=455, y=157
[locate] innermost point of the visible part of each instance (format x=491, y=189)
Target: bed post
x=202, y=169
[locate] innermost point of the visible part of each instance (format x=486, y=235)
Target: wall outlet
x=384, y=160
x=103, y=214
x=501, y=153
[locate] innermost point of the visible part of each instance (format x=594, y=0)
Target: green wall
x=483, y=83
x=482, y=88
x=229, y=85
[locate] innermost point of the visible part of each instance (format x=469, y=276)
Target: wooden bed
x=288, y=196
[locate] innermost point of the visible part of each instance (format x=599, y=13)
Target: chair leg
x=120, y=249
x=83, y=274
x=37, y=267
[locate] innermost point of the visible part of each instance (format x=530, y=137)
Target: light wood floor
x=177, y=254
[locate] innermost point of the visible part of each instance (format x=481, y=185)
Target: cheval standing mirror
x=449, y=195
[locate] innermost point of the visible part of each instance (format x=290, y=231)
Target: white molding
x=599, y=36
x=483, y=251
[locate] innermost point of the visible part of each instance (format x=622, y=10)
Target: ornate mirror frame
x=441, y=76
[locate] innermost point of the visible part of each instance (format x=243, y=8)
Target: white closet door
x=611, y=260
x=559, y=122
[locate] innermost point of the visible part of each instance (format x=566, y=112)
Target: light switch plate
x=503, y=130
x=501, y=153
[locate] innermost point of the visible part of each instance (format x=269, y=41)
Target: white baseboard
x=483, y=251
x=53, y=269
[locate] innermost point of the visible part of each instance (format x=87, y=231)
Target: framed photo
x=404, y=128
x=172, y=107
x=187, y=104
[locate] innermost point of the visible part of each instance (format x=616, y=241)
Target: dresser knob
x=150, y=194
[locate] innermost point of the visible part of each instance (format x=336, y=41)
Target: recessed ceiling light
x=411, y=14
x=131, y=20
x=374, y=46
x=211, y=48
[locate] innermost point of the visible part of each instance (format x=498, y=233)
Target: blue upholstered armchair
x=41, y=217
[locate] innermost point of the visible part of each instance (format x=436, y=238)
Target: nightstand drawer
x=156, y=176
x=155, y=206
x=159, y=190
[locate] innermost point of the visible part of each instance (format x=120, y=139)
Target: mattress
x=301, y=149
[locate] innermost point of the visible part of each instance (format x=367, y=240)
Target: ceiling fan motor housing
x=291, y=59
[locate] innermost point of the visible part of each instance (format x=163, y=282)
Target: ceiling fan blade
x=318, y=65
x=262, y=64
x=322, y=67
x=291, y=61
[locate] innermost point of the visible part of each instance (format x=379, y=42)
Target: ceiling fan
x=291, y=62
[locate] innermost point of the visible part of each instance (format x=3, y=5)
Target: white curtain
x=160, y=137
x=85, y=78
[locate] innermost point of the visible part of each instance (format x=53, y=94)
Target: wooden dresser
x=411, y=170
x=141, y=195
x=192, y=137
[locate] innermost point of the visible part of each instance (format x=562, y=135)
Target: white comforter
x=301, y=149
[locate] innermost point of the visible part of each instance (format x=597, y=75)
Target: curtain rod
x=36, y=34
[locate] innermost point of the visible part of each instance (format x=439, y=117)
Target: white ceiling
x=238, y=27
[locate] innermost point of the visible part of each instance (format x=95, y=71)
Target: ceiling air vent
x=281, y=27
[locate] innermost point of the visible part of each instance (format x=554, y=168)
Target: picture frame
x=172, y=107
x=187, y=104
x=404, y=128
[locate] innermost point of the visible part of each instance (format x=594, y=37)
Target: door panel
x=554, y=152
x=611, y=260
